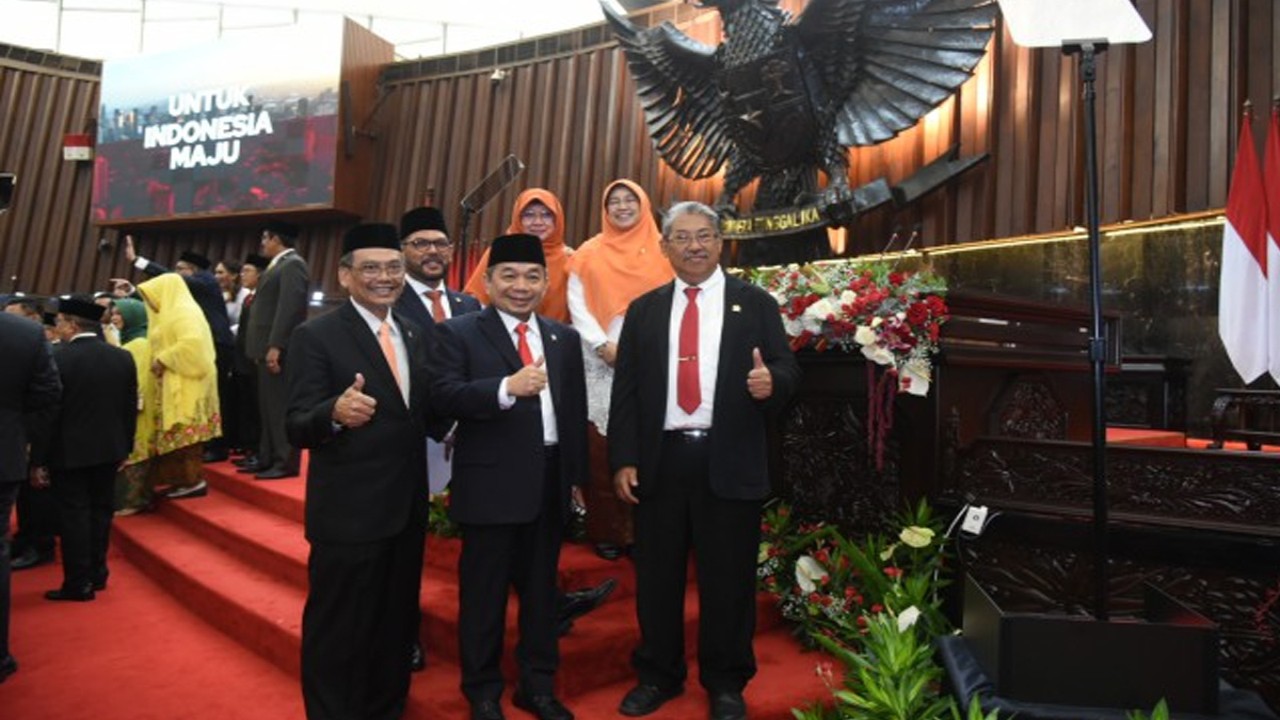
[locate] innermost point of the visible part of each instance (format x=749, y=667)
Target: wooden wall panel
x=1168, y=117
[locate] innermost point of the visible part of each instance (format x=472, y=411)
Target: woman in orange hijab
x=536, y=212
x=610, y=270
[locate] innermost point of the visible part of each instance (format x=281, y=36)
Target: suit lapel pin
x=737, y=308
x=553, y=337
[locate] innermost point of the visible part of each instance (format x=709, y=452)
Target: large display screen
x=238, y=126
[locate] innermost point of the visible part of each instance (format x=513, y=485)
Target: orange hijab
x=618, y=266
x=556, y=303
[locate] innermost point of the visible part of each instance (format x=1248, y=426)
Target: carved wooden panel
x=1028, y=408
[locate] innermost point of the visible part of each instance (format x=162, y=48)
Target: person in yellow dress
x=182, y=363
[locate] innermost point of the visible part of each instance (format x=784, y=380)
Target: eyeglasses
x=532, y=215
x=371, y=270
x=423, y=244
x=702, y=237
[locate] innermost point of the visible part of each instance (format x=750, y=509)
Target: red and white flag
x=1243, y=321
x=1271, y=185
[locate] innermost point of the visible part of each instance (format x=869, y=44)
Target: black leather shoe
x=645, y=699
x=213, y=456
x=487, y=710
x=29, y=559
x=609, y=551
x=84, y=594
x=417, y=658
x=100, y=581
x=543, y=707
x=8, y=666
x=253, y=467
x=574, y=605
x=728, y=706
x=245, y=461
x=276, y=474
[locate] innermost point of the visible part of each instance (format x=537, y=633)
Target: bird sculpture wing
x=675, y=81
x=886, y=63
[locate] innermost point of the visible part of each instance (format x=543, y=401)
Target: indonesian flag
x=1243, y=321
x=1271, y=184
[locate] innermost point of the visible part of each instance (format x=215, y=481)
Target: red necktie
x=437, y=310
x=688, y=392
x=248, y=300
x=522, y=345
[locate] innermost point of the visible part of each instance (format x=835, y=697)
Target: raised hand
x=759, y=379
x=353, y=407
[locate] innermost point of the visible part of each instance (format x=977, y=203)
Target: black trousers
x=358, y=626
x=86, y=504
x=8, y=491
x=224, y=363
x=495, y=558
x=678, y=515
x=273, y=397
x=248, y=418
x=37, y=520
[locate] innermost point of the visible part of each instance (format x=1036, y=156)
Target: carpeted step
x=286, y=497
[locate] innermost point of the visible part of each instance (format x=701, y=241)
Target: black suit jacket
x=99, y=409
x=498, y=455
x=29, y=393
x=739, y=453
x=416, y=309
x=280, y=305
x=242, y=362
x=366, y=483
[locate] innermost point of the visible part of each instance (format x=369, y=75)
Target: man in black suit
x=514, y=382
x=357, y=399
x=29, y=393
x=92, y=436
x=426, y=300
x=245, y=373
x=279, y=306
x=687, y=446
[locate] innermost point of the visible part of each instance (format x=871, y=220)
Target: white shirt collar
x=511, y=321
x=420, y=288
x=711, y=283
x=373, y=321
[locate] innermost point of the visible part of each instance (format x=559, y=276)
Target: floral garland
x=894, y=318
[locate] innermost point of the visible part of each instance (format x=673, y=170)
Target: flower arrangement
x=893, y=318
x=874, y=606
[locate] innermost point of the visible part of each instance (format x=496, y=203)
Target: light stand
x=1034, y=23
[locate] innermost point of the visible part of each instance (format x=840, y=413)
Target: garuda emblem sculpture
x=780, y=98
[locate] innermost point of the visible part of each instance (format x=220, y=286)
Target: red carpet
x=235, y=562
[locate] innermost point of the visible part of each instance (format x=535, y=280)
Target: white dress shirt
x=550, y=433
x=710, y=326
x=397, y=342
x=420, y=290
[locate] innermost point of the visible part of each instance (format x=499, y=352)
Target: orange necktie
x=389, y=352
x=437, y=309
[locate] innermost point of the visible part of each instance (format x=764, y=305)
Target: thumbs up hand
x=759, y=379
x=353, y=407
x=529, y=380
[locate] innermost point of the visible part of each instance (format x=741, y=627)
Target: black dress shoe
x=213, y=456
x=487, y=710
x=245, y=461
x=252, y=468
x=30, y=558
x=417, y=658
x=84, y=594
x=276, y=473
x=543, y=707
x=728, y=706
x=8, y=666
x=609, y=551
x=574, y=605
x=645, y=699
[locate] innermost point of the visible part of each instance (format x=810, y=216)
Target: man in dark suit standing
x=427, y=300
x=687, y=446
x=29, y=393
x=279, y=306
x=514, y=382
x=245, y=373
x=92, y=436
x=357, y=399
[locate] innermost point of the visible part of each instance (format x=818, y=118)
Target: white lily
x=907, y=618
x=809, y=573
x=916, y=536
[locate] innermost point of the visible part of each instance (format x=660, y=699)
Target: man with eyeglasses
x=358, y=385
x=688, y=450
x=427, y=300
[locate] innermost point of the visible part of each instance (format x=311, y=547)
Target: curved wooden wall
x=1168, y=114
